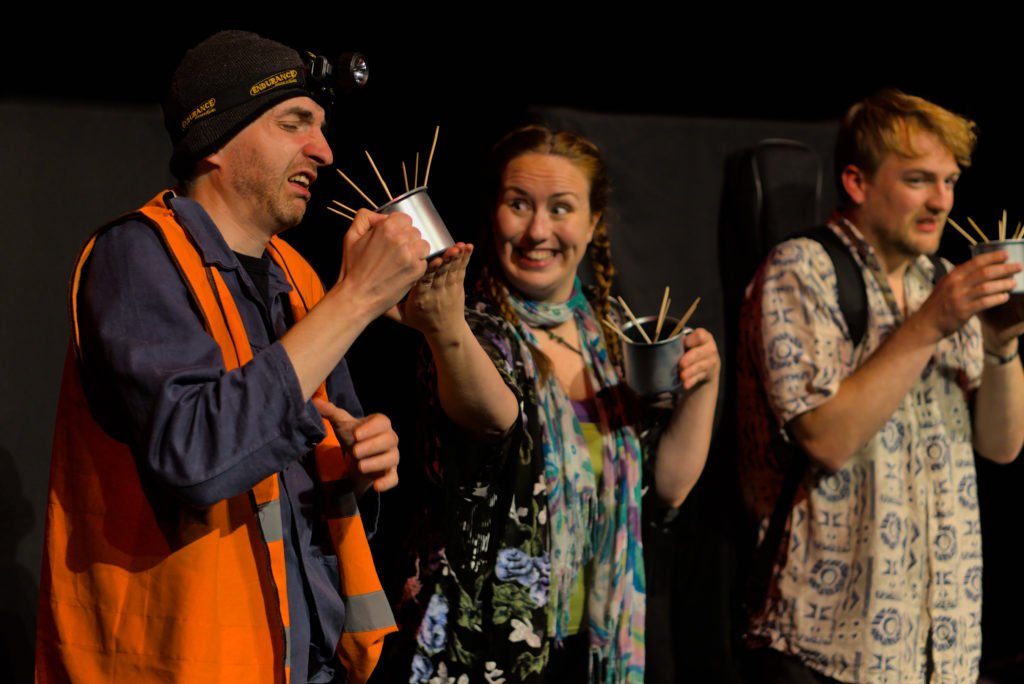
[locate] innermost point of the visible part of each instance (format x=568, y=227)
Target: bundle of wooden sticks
x=405, y=177
x=1017, y=234
x=666, y=301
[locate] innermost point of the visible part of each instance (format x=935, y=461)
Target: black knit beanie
x=220, y=86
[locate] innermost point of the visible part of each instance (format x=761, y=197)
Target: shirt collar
x=204, y=233
x=213, y=249
x=855, y=239
x=921, y=267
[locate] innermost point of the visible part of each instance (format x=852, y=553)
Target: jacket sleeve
x=157, y=381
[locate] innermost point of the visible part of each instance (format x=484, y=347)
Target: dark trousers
x=768, y=666
x=570, y=663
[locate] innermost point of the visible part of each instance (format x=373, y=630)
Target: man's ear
x=213, y=160
x=855, y=182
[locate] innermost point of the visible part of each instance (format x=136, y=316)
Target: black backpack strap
x=853, y=297
x=940, y=267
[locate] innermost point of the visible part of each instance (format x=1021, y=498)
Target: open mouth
x=535, y=258
x=302, y=180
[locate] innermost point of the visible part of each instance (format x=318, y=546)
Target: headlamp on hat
x=325, y=79
x=228, y=80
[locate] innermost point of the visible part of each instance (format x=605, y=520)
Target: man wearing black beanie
x=202, y=521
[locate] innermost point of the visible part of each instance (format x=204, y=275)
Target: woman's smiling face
x=543, y=224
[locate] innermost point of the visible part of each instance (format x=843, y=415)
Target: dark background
x=476, y=83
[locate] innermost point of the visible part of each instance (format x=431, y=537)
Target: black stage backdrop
x=81, y=140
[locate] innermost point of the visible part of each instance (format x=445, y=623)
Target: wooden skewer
x=1020, y=229
x=962, y=231
x=356, y=188
x=661, y=314
x=405, y=177
x=341, y=213
x=344, y=206
x=686, y=317
x=426, y=174
x=975, y=226
x=416, y=172
x=615, y=329
x=1002, y=227
x=636, y=323
x=379, y=177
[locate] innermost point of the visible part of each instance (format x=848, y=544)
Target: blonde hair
x=886, y=122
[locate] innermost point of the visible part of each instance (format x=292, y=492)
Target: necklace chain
x=561, y=340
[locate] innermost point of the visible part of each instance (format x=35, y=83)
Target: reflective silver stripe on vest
x=367, y=612
x=270, y=521
x=340, y=500
x=288, y=647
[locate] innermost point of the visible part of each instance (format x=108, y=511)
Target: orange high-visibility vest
x=126, y=595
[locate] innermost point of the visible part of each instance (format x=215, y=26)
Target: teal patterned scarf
x=588, y=522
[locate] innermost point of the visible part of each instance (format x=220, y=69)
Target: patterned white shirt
x=880, y=578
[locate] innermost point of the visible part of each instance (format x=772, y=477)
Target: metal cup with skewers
x=651, y=361
x=1013, y=246
x=415, y=202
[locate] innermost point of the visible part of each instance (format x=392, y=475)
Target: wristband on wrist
x=994, y=359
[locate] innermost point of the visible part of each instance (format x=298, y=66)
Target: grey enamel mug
x=653, y=368
x=416, y=203
x=1014, y=248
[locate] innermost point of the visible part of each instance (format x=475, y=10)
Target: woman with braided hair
x=538, y=439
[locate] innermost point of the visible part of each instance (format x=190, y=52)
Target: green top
x=578, y=600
